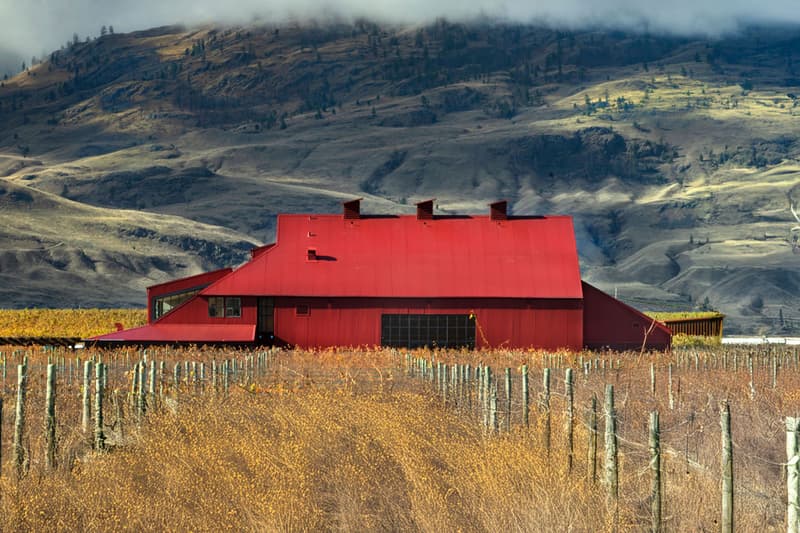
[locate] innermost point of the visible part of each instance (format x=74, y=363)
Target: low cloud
x=35, y=27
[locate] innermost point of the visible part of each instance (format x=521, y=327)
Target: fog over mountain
x=37, y=26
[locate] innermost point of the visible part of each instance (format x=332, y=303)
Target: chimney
x=425, y=210
x=312, y=254
x=352, y=209
x=498, y=210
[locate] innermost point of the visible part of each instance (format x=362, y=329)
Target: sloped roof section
x=403, y=256
x=198, y=333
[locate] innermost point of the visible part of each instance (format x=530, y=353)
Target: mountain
x=134, y=158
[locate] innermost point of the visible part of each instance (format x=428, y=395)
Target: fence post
x=508, y=399
x=727, y=469
x=568, y=389
x=652, y=378
x=655, y=470
x=141, y=405
x=487, y=391
x=87, y=377
x=50, y=418
x=669, y=385
x=493, y=427
x=792, y=476
x=152, y=383
x=591, y=465
x=546, y=407
x=99, y=436
x=611, y=465
x=525, y=412
x=18, y=451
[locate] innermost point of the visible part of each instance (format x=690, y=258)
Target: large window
x=164, y=304
x=416, y=331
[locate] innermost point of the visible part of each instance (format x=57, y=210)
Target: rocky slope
x=678, y=158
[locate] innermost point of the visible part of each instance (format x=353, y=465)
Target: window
x=219, y=307
x=233, y=307
x=216, y=307
x=302, y=310
x=164, y=304
x=416, y=331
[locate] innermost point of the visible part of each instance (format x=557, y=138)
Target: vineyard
x=221, y=439
x=78, y=323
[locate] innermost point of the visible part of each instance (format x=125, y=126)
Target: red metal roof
x=198, y=333
x=402, y=256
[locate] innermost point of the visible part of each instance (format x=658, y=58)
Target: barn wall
x=509, y=323
x=609, y=323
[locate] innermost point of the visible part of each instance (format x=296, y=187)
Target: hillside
x=162, y=152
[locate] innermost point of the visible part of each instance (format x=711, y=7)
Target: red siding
x=546, y=324
x=609, y=323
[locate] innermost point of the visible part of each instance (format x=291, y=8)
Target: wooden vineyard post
x=18, y=451
x=568, y=389
x=485, y=395
x=134, y=387
x=99, y=436
x=546, y=407
x=86, y=397
x=119, y=420
x=655, y=471
x=50, y=418
x=493, y=427
x=792, y=475
x=152, y=383
x=214, y=371
x=225, y=377
x=162, y=368
x=591, y=468
x=611, y=464
x=652, y=379
x=774, y=372
x=669, y=386
x=727, y=469
x=142, y=402
x=176, y=379
x=508, y=400
x=525, y=412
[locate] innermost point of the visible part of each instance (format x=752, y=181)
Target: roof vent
x=498, y=210
x=312, y=254
x=352, y=209
x=425, y=210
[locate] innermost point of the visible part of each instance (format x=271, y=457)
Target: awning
x=196, y=333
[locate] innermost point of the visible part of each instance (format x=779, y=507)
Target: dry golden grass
x=351, y=441
x=67, y=322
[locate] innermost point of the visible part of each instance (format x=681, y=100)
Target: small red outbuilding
x=404, y=281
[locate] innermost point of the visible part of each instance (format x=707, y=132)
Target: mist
x=36, y=27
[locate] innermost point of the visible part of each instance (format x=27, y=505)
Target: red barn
x=404, y=281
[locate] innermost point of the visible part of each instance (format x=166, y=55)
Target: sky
x=36, y=27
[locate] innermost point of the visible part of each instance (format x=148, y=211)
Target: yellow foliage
x=81, y=323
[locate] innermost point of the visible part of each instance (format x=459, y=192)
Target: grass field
x=363, y=441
